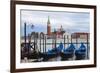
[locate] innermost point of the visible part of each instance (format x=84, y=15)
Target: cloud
x=69, y=20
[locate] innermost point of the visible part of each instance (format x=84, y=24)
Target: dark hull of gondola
x=52, y=53
x=66, y=55
x=30, y=55
x=47, y=56
x=80, y=55
x=81, y=52
x=34, y=55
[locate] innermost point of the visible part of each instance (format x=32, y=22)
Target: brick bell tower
x=48, y=28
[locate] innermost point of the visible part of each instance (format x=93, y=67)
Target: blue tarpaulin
x=81, y=52
x=82, y=49
x=56, y=50
x=70, y=49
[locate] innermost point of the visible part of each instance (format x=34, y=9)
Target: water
x=49, y=46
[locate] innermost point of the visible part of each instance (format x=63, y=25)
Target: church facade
x=58, y=33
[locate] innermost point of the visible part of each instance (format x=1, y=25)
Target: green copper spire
x=48, y=20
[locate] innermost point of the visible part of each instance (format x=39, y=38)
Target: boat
x=52, y=53
x=27, y=52
x=81, y=52
x=68, y=52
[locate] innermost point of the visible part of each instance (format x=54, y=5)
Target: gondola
x=26, y=52
x=68, y=52
x=52, y=53
x=81, y=52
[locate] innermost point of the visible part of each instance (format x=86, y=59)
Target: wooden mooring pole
x=87, y=47
x=25, y=34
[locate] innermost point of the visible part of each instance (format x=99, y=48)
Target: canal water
x=49, y=46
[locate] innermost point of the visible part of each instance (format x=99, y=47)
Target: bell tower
x=48, y=27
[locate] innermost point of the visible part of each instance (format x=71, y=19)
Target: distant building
x=81, y=35
x=56, y=33
x=67, y=35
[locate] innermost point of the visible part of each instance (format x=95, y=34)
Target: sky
x=70, y=21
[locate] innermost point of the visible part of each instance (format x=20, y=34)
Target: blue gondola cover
x=56, y=50
x=82, y=49
x=70, y=49
x=68, y=52
x=81, y=52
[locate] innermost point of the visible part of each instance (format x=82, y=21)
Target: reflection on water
x=58, y=58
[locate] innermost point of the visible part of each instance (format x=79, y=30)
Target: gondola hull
x=66, y=55
x=80, y=55
x=47, y=56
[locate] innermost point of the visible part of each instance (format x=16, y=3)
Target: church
x=57, y=32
